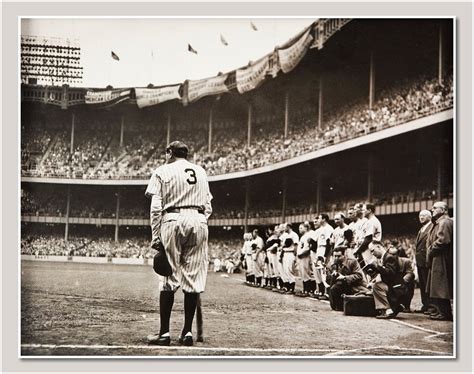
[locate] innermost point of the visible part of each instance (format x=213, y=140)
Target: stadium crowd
x=352, y=267
x=43, y=245
x=98, y=155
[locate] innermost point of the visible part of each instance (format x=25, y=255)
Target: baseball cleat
x=157, y=339
x=186, y=340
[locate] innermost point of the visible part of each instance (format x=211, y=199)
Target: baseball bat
x=200, y=337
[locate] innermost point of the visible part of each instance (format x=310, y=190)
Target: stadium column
x=440, y=55
x=283, y=195
x=287, y=100
x=68, y=206
x=72, y=132
x=440, y=174
x=249, y=125
x=168, y=130
x=371, y=80
x=320, y=103
x=122, y=125
x=370, y=176
x=117, y=210
x=319, y=181
x=247, y=202
x=209, y=142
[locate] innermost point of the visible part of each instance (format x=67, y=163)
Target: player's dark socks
x=280, y=282
x=305, y=286
x=313, y=286
x=166, y=304
x=259, y=281
x=266, y=282
x=292, y=286
x=321, y=288
x=190, y=303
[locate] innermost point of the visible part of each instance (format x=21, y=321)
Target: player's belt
x=173, y=209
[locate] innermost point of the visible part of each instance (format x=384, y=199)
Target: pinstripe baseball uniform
x=180, y=207
x=247, y=249
x=272, y=256
x=372, y=226
x=288, y=262
x=304, y=264
x=259, y=261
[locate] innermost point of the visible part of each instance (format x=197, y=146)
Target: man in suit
x=420, y=258
x=344, y=277
x=388, y=284
x=439, y=245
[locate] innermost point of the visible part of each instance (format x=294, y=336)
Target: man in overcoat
x=440, y=262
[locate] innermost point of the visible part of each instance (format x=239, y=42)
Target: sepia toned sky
x=155, y=50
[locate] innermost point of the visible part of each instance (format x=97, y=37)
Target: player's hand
x=341, y=277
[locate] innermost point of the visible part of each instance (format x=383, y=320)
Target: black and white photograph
x=225, y=187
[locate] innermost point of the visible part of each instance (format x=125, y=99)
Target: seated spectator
x=345, y=277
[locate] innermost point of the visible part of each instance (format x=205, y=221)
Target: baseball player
x=304, y=258
x=180, y=208
x=272, y=245
x=247, y=252
x=289, y=242
x=372, y=230
x=358, y=228
x=321, y=237
x=258, y=257
x=338, y=238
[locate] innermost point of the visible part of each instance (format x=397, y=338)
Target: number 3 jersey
x=180, y=184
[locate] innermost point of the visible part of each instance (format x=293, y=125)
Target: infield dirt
x=108, y=310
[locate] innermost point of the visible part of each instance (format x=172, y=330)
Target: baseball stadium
x=347, y=112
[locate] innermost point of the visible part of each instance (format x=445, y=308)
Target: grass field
x=108, y=310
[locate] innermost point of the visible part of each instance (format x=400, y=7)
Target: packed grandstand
x=338, y=92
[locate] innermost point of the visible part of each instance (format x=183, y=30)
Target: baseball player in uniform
x=258, y=257
x=338, y=238
x=323, y=248
x=359, y=229
x=272, y=245
x=249, y=262
x=179, y=210
x=372, y=230
x=289, y=241
x=304, y=258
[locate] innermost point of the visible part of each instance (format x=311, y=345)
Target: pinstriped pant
x=288, y=265
x=272, y=264
x=304, y=267
x=184, y=236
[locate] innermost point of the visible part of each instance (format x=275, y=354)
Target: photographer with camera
x=345, y=277
x=390, y=283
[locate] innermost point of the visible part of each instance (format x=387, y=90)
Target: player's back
x=183, y=184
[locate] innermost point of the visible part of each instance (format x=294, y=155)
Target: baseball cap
x=178, y=148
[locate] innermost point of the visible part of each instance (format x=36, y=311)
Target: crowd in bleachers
x=87, y=247
x=97, y=155
x=408, y=101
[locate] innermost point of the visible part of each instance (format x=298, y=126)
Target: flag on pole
x=252, y=25
x=114, y=56
x=223, y=41
x=191, y=49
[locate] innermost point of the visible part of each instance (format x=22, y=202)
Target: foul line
x=329, y=352
x=391, y=347
x=154, y=347
x=432, y=332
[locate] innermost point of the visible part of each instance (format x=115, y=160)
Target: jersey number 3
x=192, y=176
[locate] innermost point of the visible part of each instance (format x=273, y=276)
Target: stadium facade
x=351, y=110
